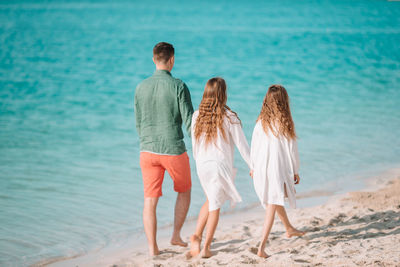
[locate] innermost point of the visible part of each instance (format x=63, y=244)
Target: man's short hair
x=163, y=51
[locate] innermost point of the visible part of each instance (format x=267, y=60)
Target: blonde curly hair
x=275, y=113
x=212, y=111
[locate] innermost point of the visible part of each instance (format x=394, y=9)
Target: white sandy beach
x=355, y=229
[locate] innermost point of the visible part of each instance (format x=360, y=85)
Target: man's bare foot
x=194, y=245
x=261, y=253
x=294, y=232
x=177, y=241
x=206, y=253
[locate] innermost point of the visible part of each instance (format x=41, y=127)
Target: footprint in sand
x=301, y=260
x=253, y=250
x=164, y=255
x=248, y=260
x=338, y=219
x=316, y=221
x=247, y=232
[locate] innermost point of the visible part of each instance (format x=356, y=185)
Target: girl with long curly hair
x=215, y=131
x=275, y=161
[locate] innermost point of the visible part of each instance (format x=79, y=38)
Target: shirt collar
x=161, y=72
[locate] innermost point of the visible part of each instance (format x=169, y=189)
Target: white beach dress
x=275, y=161
x=214, y=162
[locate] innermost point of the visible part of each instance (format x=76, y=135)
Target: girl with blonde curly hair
x=216, y=129
x=275, y=161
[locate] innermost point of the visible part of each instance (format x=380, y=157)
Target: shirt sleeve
x=186, y=107
x=294, y=154
x=194, y=146
x=239, y=139
x=254, y=146
x=137, y=113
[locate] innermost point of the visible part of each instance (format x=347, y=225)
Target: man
x=162, y=103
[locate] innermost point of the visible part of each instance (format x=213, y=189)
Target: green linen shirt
x=162, y=103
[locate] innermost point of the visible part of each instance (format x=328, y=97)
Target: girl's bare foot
x=153, y=251
x=194, y=245
x=261, y=253
x=206, y=253
x=294, y=232
x=177, y=241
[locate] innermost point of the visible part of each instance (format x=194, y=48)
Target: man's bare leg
x=150, y=223
x=195, y=240
x=181, y=210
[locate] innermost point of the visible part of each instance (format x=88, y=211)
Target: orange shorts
x=153, y=168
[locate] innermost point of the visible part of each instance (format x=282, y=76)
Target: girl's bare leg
x=290, y=230
x=268, y=222
x=195, y=240
x=212, y=223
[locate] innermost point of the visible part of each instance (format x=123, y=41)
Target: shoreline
x=134, y=253
x=109, y=254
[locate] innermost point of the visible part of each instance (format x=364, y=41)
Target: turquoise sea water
x=70, y=180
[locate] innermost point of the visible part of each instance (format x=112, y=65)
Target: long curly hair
x=275, y=113
x=212, y=111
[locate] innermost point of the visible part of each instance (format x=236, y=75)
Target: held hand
x=296, y=179
x=251, y=173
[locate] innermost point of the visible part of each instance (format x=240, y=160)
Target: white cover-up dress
x=214, y=162
x=275, y=161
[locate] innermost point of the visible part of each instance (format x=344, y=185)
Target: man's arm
x=186, y=107
x=137, y=113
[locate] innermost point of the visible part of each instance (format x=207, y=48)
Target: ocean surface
x=70, y=181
